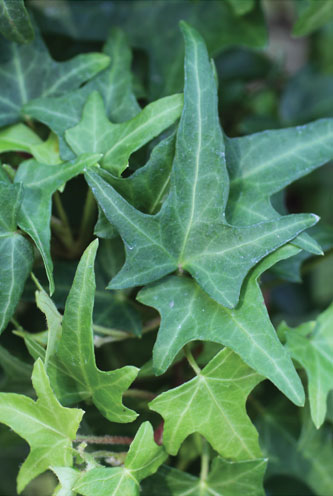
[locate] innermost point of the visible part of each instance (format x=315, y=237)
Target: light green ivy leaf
x=15, y=23
x=48, y=427
x=28, y=71
x=213, y=404
x=67, y=478
x=190, y=232
x=226, y=478
x=311, y=344
x=96, y=134
x=189, y=314
x=143, y=459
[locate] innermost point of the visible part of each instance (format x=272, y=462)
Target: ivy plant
x=145, y=257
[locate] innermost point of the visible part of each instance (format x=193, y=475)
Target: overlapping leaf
x=16, y=374
x=190, y=232
x=213, y=404
x=189, y=314
x=95, y=133
x=48, y=427
x=16, y=254
x=28, y=71
x=313, y=17
x=311, y=344
x=72, y=370
x=114, y=84
x=224, y=479
x=143, y=459
x=14, y=21
x=40, y=181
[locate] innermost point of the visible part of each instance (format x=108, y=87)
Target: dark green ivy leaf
x=15, y=23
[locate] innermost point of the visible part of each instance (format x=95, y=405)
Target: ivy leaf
x=114, y=84
x=306, y=456
x=143, y=459
x=311, y=344
x=16, y=254
x=189, y=314
x=243, y=7
x=48, y=427
x=28, y=71
x=313, y=17
x=221, y=388
x=15, y=22
x=40, y=182
x=67, y=478
x=226, y=478
x=95, y=133
x=176, y=238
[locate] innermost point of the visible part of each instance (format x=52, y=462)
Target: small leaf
x=313, y=17
x=226, y=478
x=95, y=133
x=311, y=344
x=48, y=427
x=15, y=22
x=213, y=404
x=143, y=459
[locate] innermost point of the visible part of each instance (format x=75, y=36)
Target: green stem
x=88, y=221
x=191, y=360
x=204, y=464
x=139, y=393
x=104, y=439
x=66, y=233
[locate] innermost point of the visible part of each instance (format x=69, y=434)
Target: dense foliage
x=165, y=303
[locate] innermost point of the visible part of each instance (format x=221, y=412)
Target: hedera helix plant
x=199, y=229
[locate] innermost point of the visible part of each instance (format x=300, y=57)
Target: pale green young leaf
x=311, y=344
x=143, y=459
x=213, y=404
x=226, y=478
x=48, y=427
x=189, y=314
x=67, y=478
x=28, y=71
x=16, y=254
x=96, y=134
x=191, y=232
x=264, y=163
x=317, y=13
x=15, y=23
x=40, y=181
x=114, y=84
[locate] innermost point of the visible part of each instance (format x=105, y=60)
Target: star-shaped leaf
x=75, y=376
x=95, y=133
x=16, y=254
x=189, y=314
x=190, y=232
x=40, y=181
x=311, y=344
x=15, y=24
x=213, y=404
x=143, y=459
x=225, y=478
x=28, y=71
x=48, y=427
x=114, y=84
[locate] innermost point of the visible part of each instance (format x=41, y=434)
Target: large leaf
x=190, y=232
x=72, y=370
x=143, y=459
x=40, y=182
x=96, y=134
x=28, y=71
x=189, y=314
x=313, y=17
x=114, y=84
x=14, y=21
x=311, y=344
x=306, y=456
x=16, y=254
x=213, y=404
x=224, y=479
x=48, y=427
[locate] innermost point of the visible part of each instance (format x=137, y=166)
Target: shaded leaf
x=242, y=7
x=220, y=391
x=189, y=314
x=16, y=373
x=143, y=459
x=15, y=22
x=191, y=232
x=48, y=427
